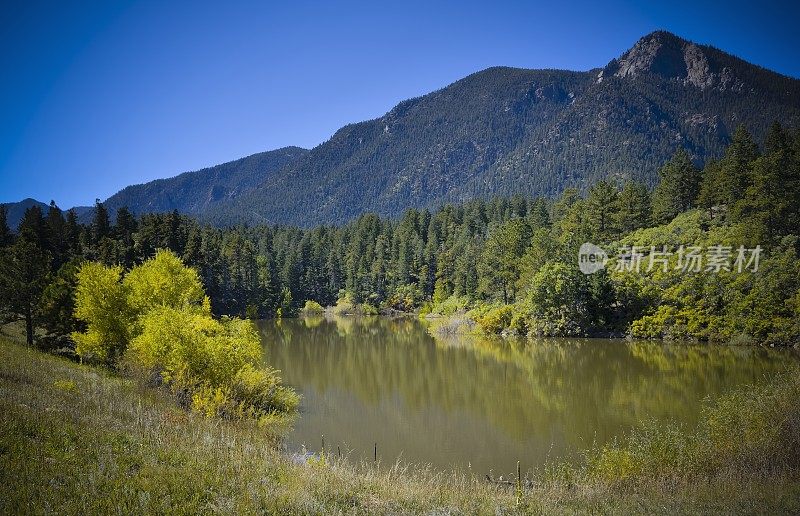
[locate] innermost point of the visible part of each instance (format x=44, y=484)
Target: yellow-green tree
x=160, y=319
x=163, y=281
x=101, y=301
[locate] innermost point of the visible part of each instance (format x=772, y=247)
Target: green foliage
x=750, y=429
x=285, y=309
x=345, y=305
x=634, y=207
x=57, y=305
x=450, y=306
x=557, y=300
x=163, y=281
x=313, y=308
x=213, y=363
x=160, y=319
x=24, y=268
x=603, y=211
x=493, y=319
x=405, y=298
x=678, y=187
x=6, y=237
x=499, y=266
x=101, y=302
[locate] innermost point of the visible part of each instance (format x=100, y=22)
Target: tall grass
x=753, y=431
x=75, y=439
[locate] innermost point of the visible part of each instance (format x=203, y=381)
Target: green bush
x=405, y=298
x=344, y=305
x=160, y=319
x=101, y=301
x=558, y=300
x=451, y=305
x=313, y=308
x=369, y=309
x=215, y=363
x=752, y=429
x=163, y=281
x=493, y=319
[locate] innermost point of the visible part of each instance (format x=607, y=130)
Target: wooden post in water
x=375, y=454
x=519, y=484
x=339, y=451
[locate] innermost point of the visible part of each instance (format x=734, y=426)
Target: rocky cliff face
x=671, y=57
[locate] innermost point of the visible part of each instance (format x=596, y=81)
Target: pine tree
x=602, y=210
x=735, y=170
x=72, y=233
x=678, y=187
x=710, y=197
x=57, y=238
x=124, y=229
x=772, y=199
x=24, y=267
x=634, y=207
x=500, y=259
x=101, y=225
x=6, y=237
x=33, y=227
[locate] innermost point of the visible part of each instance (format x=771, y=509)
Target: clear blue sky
x=98, y=95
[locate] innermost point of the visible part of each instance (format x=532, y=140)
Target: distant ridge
x=194, y=193
x=16, y=210
x=498, y=131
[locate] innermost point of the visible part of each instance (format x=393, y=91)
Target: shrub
x=450, y=306
x=214, y=362
x=405, y=298
x=558, y=300
x=368, y=309
x=313, y=308
x=752, y=429
x=344, y=305
x=163, y=281
x=493, y=319
x=101, y=302
x=160, y=318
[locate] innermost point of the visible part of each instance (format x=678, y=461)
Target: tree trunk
x=29, y=326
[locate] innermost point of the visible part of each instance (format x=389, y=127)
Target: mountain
x=195, y=193
x=498, y=131
x=16, y=210
x=535, y=132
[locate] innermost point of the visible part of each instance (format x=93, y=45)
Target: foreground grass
x=75, y=439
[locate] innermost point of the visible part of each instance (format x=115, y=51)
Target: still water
x=466, y=402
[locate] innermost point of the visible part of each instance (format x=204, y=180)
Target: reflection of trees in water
x=582, y=388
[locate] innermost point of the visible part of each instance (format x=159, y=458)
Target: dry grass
x=75, y=439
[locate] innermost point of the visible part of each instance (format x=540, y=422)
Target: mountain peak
x=499, y=131
x=671, y=57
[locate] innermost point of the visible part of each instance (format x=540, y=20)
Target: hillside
x=195, y=193
x=498, y=131
x=15, y=211
x=507, y=130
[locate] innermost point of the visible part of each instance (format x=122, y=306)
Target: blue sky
x=95, y=96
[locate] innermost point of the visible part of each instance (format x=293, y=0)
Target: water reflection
x=488, y=402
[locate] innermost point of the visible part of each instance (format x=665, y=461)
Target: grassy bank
x=75, y=439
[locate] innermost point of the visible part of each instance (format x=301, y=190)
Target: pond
x=480, y=404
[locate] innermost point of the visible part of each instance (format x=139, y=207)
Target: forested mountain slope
x=194, y=193
x=534, y=132
x=500, y=131
x=14, y=211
